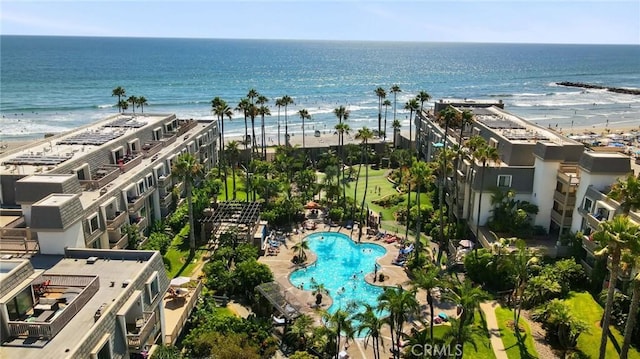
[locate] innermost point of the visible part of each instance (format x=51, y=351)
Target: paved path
x=492, y=326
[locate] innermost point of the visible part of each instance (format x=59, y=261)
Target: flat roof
x=56, y=199
x=50, y=152
x=49, y=178
x=107, y=270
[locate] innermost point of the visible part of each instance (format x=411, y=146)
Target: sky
x=510, y=21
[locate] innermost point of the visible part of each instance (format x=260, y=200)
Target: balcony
x=135, y=203
x=589, y=245
x=101, y=178
x=561, y=197
x=186, y=126
x=557, y=217
x=151, y=148
x=139, y=331
x=167, y=200
x=117, y=221
x=592, y=220
x=17, y=238
x=120, y=243
x=164, y=180
x=71, y=293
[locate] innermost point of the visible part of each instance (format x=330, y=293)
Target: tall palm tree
x=338, y=325
x=632, y=316
x=252, y=95
x=464, y=119
x=304, y=115
x=263, y=110
x=401, y=304
x=243, y=107
x=123, y=104
x=120, y=92
x=614, y=236
x=484, y=155
x=253, y=112
x=428, y=281
x=371, y=324
x=394, y=90
x=221, y=110
x=474, y=143
x=233, y=152
x=447, y=115
x=421, y=172
x=190, y=170
x=300, y=331
x=521, y=260
x=286, y=101
x=133, y=101
x=386, y=104
x=381, y=93
x=396, y=125
x=364, y=134
x=141, y=102
x=422, y=97
x=342, y=114
x=466, y=295
x=279, y=104
x=412, y=106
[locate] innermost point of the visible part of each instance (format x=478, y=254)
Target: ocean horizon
x=52, y=84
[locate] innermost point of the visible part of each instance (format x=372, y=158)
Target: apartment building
x=543, y=167
x=80, y=189
x=87, y=303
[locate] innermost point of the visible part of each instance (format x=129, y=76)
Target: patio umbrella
x=466, y=243
x=342, y=355
x=311, y=205
x=179, y=281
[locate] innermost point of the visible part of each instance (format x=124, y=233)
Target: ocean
x=54, y=84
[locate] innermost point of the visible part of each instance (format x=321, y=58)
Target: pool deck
x=282, y=267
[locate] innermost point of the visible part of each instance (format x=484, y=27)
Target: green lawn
x=177, y=256
x=482, y=348
x=513, y=348
x=378, y=179
x=240, y=194
x=586, y=308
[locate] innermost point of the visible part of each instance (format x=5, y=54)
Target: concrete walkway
x=488, y=308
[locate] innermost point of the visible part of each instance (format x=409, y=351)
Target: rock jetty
x=598, y=87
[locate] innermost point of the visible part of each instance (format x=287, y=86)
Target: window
x=588, y=204
x=141, y=187
x=149, y=180
x=157, y=133
x=20, y=305
x=559, y=187
x=504, y=180
x=493, y=142
x=94, y=224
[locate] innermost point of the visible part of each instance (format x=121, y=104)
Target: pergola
x=241, y=217
x=276, y=295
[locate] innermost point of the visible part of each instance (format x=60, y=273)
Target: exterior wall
x=599, y=181
x=55, y=242
x=544, y=184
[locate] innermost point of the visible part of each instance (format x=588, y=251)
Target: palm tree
x=372, y=324
x=484, y=154
x=461, y=333
x=243, y=106
x=631, y=317
x=412, y=106
x=253, y=111
x=466, y=295
x=521, y=260
x=120, y=92
x=422, y=97
x=304, y=115
x=627, y=192
x=279, y=104
x=133, y=101
x=381, y=93
x=614, y=236
x=421, y=172
x=263, y=110
x=190, y=170
x=401, y=305
x=396, y=125
x=394, y=90
x=338, y=325
x=234, y=152
x=342, y=114
x=464, y=119
x=428, y=281
x=386, y=104
x=286, y=101
x=364, y=135
x=447, y=115
x=221, y=110
x=300, y=248
x=141, y=102
x=300, y=330
x=123, y=104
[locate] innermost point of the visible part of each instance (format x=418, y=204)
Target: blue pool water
x=341, y=266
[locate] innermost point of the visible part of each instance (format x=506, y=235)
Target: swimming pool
x=341, y=266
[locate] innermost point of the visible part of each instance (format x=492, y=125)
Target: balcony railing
x=561, y=197
x=164, y=180
x=136, y=203
x=557, y=217
x=166, y=201
x=151, y=148
x=136, y=340
x=48, y=330
x=121, y=243
x=117, y=221
x=177, y=329
x=590, y=245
